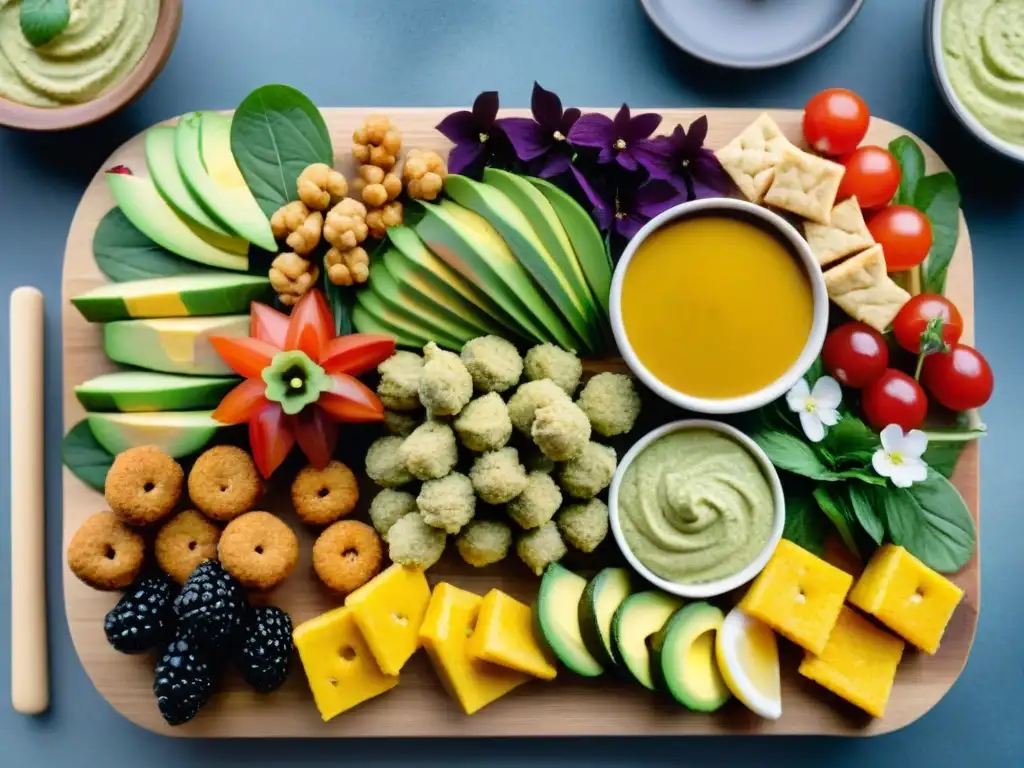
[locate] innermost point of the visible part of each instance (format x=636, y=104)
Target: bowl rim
x=24, y=117
x=772, y=391
x=708, y=588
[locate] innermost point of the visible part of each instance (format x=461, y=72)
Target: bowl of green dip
x=696, y=508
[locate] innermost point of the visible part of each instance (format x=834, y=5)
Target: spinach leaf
x=275, y=134
x=86, y=458
x=911, y=159
x=123, y=253
x=939, y=198
x=834, y=507
x=43, y=20
x=851, y=440
x=791, y=453
x=862, y=500
x=931, y=520
x=805, y=525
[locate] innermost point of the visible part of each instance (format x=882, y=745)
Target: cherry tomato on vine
x=915, y=315
x=960, y=379
x=835, y=121
x=894, y=398
x=872, y=174
x=855, y=354
x=905, y=235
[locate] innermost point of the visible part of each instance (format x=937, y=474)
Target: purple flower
x=682, y=159
x=616, y=138
x=542, y=142
x=473, y=134
x=626, y=208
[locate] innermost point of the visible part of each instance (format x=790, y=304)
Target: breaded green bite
x=413, y=543
x=493, y=362
x=538, y=502
x=611, y=402
x=445, y=386
x=561, y=430
x=384, y=463
x=585, y=525
x=400, y=381
x=447, y=503
x=430, y=451
x=587, y=474
x=401, y=424
x=484, y=424
x=498, y=476
x=484, y=542
x=541, y=547
x=523, y=405
x=546, y=361
x=388, y=507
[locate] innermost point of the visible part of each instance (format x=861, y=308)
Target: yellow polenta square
x=389, y=609
x=504, y=635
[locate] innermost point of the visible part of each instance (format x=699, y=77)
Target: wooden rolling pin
x=30, y=684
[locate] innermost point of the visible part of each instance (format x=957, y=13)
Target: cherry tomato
x=960, y=379
x=835, y=121
x=905, y=235
x=894, y=398
x=915, y=315
x=855, y=354
x=872, y=174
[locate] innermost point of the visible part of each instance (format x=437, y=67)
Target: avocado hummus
x=101, y=45
x=983, y=54
x=694, y=506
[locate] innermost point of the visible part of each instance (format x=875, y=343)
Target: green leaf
x=851, y=440
x=835, y=510
x=805, y=525
x=123, y=253
x=865, y=475
x=911, y=159
x=862, y=502
x=939, y=198
x=931, y=520
x=791, y=453
x=341, y=300
x=43, y=20
x=86, y=458
x=275, y=134
x=943, y=456
x=815, y=372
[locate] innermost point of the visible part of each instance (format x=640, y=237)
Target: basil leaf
x=275, y=134
x=86, y=458
x=43, y=20
x=341, y=301
x=911, y=159
x=123, y=253
x=939, y=198
x=862, y=503
x=943, y=456
x=864, y=475
x=805, y=525
x=851, y=440
x=791, y=454
x=931, y=520
x=842, y=519
x=815, y=372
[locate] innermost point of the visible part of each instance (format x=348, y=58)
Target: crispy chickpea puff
x=399, y=383
x=430, y=451
x=584, y=526
x=345, y=268
x=400, y=424
x=377, y=142
x=291, y=277
x=561, y=430
x=498, y=477
x=445, y=386
x=424, y=174
x=541, y=547
x=447, y=503
x=538, y=502
x=484, y=542
x=388, y=507
x=484, y=424
x=611, y=402
x=523, y=405
x=586, y=475
x=493, y=362
x=384, y=464
x=413, y=543
x=345, y=226
x=299, y=227
x=546, y=361
x=378, y=220
x=375, y=186
x=320, y=186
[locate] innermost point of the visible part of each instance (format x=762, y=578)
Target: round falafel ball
x=484, y=424
x=538, y=502
x=493, y=362
x=447, y=503
x=388, y=507
x=400, y=381
x=546, y=361
x=561, y=430
x=401, y=424
x=541, y=547
x=445, y=386
x=430, y=451
x=484, y=542
x=611, y=403
x=528, y=398
x=586, y=475
x=384, y=463
x=498, y=476
x=413, y=543
x=584, y=526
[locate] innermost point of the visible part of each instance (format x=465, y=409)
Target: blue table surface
x=592, y=52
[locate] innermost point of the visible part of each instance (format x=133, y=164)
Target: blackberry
x=144, y=618
x=265, y=653
x=211, y=606
x=184, y=679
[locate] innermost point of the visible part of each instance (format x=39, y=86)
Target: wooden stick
x=30, y=683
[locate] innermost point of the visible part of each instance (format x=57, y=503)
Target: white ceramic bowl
x=704, y=589
x=788, y=234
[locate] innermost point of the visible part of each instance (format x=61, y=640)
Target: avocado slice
x=638, y=618
x=202, y=147
x=213, y=293
x=178, y=433
x=601, y=599
x=142, y=391
x=683, y=658
x=587, y=243
x=365, y=321
x=557, y=618
x=173, y=345
x=410, y=326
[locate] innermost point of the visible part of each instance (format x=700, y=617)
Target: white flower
x=818, y=407
x=899, y=458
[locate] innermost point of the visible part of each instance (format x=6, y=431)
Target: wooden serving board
x=569, y=706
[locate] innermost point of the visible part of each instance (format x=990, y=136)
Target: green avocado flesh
x=142, y=391
x=683, y=658
x=365, y=321
x=407, y=326
x=173, y=345
x=601, y=599
x=178, y=433
x=638, y=618
x=557, y=618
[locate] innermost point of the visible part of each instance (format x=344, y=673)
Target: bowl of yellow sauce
x=719, y=306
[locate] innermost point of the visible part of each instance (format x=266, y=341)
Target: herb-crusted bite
x=430, y=451
x=587, y=474
x=541, y=547
x=546, y=361
x=447, y=503
x=584, y=526
x=484, y=424
x=413, y=543
x=611, y=402
x=498, y=476
x=400, y=381
x=484, y=542
x=561, y=430
x=388, y=507
x=493, y=362
x=445, y=386
x=538, y=502
x=384, y=463
x=523, y=405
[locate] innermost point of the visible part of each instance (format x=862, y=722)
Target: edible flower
x=617, y=139
x=299, y=381
x=899, y=458
x=628, y=207
x=818, y=407
x=543, y=141
x=682, y=158
x=475, y=135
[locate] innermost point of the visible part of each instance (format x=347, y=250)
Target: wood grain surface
x=569, y=706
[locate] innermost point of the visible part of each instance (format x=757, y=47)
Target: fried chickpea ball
x=445, y=386
x=523, y=405
x=384, y=464
x=183, y=542
x=345, y=225
x=586, y=475
x=400, y=378
x=447, y=503
x=224, y=483
x=484, y=424
x=319, y=186
x=561, y=430
x=546, y=361
x=400, y=424
x=388, y=507
x=105, y=553
x=321, y=496
x=143, y=485
x=299, y=227
x=493, y=362
x=259, y=550
x=379, y=220
x=484, y=542
x=611, y=403
x=584, y=526
x=498, y=477
x=430, y=451
x=538, y=502
x=377, y=142
x=424, y=174
x=413, y=543
x=347, y=555
x=346, y=268
x=291, y=277
x=541, y=547
x=375, y=186
x=534, y=459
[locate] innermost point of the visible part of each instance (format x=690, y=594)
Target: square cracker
x=806, y=185
x=751, y=157
x=863, y=289
x=847, y=234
